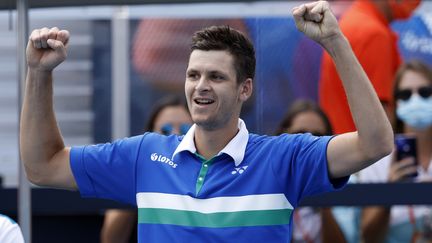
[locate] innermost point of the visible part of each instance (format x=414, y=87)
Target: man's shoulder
x=156, y=137
x=146, y=140
x=258, y=138
x=282, y=139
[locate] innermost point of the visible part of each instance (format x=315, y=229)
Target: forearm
x=331, y=232
x=374, y=224
x=374, y=130
x=40, y=138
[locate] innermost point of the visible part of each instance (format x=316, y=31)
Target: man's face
x=214, y=98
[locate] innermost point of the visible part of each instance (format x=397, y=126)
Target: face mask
x=415, y=112
x=402, y=9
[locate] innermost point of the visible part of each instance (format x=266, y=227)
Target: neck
x=210, y=142
x=424, y=146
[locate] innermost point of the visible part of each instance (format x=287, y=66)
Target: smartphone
x=406, y=146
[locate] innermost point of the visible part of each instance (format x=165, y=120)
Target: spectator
x=366, y=25
x=10, y=231
x=412, y=92
x=169, y=116
x=311, y=225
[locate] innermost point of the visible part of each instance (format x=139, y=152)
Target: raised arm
x=350, y=152
x=45, y=157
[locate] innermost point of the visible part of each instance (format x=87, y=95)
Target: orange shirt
x=375, y=46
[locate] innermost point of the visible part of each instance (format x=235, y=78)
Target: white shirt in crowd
x=404, y=220
x=10, y=231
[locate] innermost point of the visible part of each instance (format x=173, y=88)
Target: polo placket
x=205, y=165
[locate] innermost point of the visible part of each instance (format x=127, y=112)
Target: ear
x=246, y=89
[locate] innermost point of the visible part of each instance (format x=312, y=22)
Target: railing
x=61, y=202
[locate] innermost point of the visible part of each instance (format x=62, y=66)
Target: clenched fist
x=47, y=48
x=316, y=21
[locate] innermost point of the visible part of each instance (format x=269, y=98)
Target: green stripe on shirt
x=214, y=220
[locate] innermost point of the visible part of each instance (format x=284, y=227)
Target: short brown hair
x=225, y=38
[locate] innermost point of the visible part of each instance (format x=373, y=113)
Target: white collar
x=235, y=148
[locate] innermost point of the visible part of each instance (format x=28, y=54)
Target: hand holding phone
x=406, y=147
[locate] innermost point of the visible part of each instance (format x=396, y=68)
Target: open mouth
x=203, y=101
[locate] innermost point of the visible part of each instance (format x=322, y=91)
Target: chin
x=199, y=120
x=206, y=124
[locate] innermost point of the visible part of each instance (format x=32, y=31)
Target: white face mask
x=416, y=112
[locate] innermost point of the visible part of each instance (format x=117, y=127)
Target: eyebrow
x=192, y=70
x=218, y=72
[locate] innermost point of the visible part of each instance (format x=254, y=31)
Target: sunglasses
x=168, y=128
x=405, y=94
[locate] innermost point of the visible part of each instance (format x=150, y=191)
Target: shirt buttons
x=206, y=165
x=200, y=178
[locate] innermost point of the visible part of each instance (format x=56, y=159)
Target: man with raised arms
x=229, y=185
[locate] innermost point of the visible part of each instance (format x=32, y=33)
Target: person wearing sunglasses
x=413, y=108
x=169, y=116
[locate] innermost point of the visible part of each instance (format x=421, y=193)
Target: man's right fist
x=47, y=48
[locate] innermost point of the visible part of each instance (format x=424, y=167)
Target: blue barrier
x=55, y=202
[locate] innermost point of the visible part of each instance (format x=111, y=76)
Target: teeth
x=203, y=101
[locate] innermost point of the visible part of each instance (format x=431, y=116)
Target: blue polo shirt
x=246, y=193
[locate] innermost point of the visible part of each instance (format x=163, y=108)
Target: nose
x=203, y=84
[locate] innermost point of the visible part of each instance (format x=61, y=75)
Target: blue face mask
x=416, y=112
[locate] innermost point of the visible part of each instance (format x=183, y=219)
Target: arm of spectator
x=331, y=232
x=45, y=157
x=118, y=225
x=375, y=220
x=350, y=152
x=374, y=224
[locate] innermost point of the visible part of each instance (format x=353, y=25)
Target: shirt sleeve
x=107, y=170
x=303, y=169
